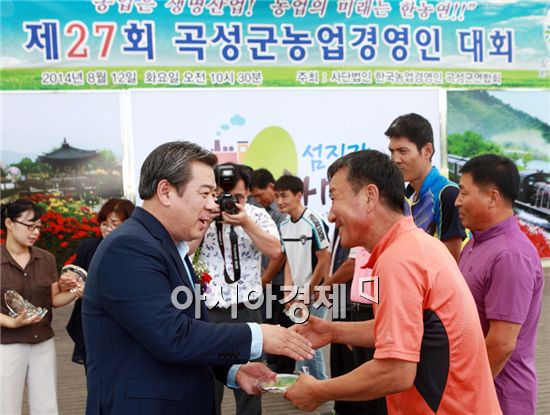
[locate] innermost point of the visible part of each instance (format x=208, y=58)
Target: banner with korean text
x=117, y=44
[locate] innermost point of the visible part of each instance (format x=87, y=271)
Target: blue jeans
x=316, y=365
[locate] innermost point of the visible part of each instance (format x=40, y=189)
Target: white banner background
x=326, y=120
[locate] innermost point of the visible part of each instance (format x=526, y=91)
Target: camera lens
x=228, y=205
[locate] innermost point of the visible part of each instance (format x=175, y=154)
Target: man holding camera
x=232, y=250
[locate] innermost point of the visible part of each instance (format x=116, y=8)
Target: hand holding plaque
x=77, y=273
x=17, y=305
x=280, y=384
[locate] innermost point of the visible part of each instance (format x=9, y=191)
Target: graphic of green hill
x=479, y=123
x=489, y=116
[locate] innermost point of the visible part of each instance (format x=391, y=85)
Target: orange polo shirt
x=426, y=314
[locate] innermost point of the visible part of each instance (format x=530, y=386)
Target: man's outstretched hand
x=247, y=377
x=285, y=342
x=316, y=330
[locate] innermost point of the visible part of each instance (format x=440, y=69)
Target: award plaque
x=80, y=272
x=278, y=385
x=18, y=305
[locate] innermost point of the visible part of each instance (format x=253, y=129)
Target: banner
x=284, y=130
x=64, y=143
x=91, y=145
x=117, y=44
x=515, y=124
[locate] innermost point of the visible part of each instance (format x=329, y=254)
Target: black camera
x=226, y=178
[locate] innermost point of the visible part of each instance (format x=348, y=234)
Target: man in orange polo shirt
x=430, y=353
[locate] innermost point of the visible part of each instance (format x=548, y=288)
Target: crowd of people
x=449, y=328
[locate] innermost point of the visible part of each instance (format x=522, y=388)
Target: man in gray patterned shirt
x=232, y=250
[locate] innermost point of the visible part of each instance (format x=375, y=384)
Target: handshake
x=276, y=340
x=303, y=392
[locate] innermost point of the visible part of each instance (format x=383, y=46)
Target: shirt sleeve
x=320, y=235
x=231, y=375
x=257, y=341
x=85, y=252
x=451, y=227
x=510, y=288
x=399, y=323
x=255, y=353
x=80, y=254
x=264, y=220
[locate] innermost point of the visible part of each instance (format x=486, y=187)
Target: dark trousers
x=279, y=364
x=74, y=328
x=363, y=312
x=342, y=362
x=246, y=404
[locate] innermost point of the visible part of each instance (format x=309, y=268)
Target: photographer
x=232, y=250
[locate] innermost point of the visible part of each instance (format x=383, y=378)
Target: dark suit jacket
x=144, y=356
x=84, y=254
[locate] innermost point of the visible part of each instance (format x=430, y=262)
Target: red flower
x=205, y=278
x=63, y=232
x=70, y=260
x=537, y=238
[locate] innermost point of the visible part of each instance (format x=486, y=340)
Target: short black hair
x=261, y=178
x=241, y=172
x=16, y=208
x=414, y=127
x=289, y=182
x=248, y=171
x=373, y=167
x=495, y=170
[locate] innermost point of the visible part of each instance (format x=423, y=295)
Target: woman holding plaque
x=112, y=213
x=29, y=290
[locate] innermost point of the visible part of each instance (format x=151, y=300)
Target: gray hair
x=171, y=162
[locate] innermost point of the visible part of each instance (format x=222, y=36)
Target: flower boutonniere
x=201, y=272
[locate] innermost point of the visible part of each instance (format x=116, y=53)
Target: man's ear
x=428, y=151
x=163, y=192
x=494, y=196
x=372, y=195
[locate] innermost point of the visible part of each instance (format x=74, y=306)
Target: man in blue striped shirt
x=430, y=196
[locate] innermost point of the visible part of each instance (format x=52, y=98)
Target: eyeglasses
x=31, y=227
x=108, y=224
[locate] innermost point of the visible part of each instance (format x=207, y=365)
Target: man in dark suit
x=145, y=354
